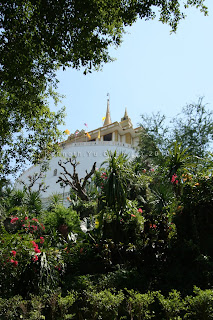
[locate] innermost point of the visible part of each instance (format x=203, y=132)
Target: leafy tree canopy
x=192, y=130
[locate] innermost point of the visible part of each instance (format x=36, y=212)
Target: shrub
x=200, y=306
x=62, y=216
x=28, y=263
x=104, y=304
x=139, y=305
x=172, y=306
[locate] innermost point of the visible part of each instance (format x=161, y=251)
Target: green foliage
x=14, y=200
x=62, y=216
x=153, y=140
x=84, y=208
x=177, y=159
x=13, y=308
x=139, y=305
x=54, y=200
x=114, y=189
x=195, y=220
x=104, y=304
x=110, y=304
x=200, y=306
x=191, y=130
x=172, y=306
x=194, y=128
x=36, y=308
x=65, y=303
x=24, y=135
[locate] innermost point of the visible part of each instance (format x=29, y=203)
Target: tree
x=115, y=189
x=38, y=37
x=176, y=148
x=27, y=138
x=72, y=179
x=192, y=129
x=153, y=141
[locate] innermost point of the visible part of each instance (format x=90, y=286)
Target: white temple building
x=87, y=147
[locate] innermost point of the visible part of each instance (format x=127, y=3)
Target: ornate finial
x=125, y=117
x=126, y=121
x=108, y=118
x=126, y=114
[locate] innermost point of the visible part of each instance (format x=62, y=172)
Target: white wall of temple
x=86, y=154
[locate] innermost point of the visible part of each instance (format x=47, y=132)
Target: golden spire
x=108, y=118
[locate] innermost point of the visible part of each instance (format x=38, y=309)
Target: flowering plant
x=27, y=225
x=27, y=260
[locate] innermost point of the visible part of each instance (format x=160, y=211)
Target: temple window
x=108, y=137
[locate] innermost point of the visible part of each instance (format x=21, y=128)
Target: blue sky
x=154, y=71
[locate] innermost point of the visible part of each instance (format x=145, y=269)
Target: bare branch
x=73, y=180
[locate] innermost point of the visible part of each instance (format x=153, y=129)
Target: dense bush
x=110, y=304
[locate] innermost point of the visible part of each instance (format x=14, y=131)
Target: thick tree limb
x=73, y=180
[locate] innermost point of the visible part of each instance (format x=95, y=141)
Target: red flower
x=140, y=210
x=35, y=258
x=13, y=253
x=37, y=250
x=133, y=215
x=42, y=226
x=174, y=177
x=26, y=218
x=15, y=263
x=34, y=219
x=41, y=240
x=34, y=244
x=153, y=226
x=13, y=220
x=144, y=170
x=58, y=268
